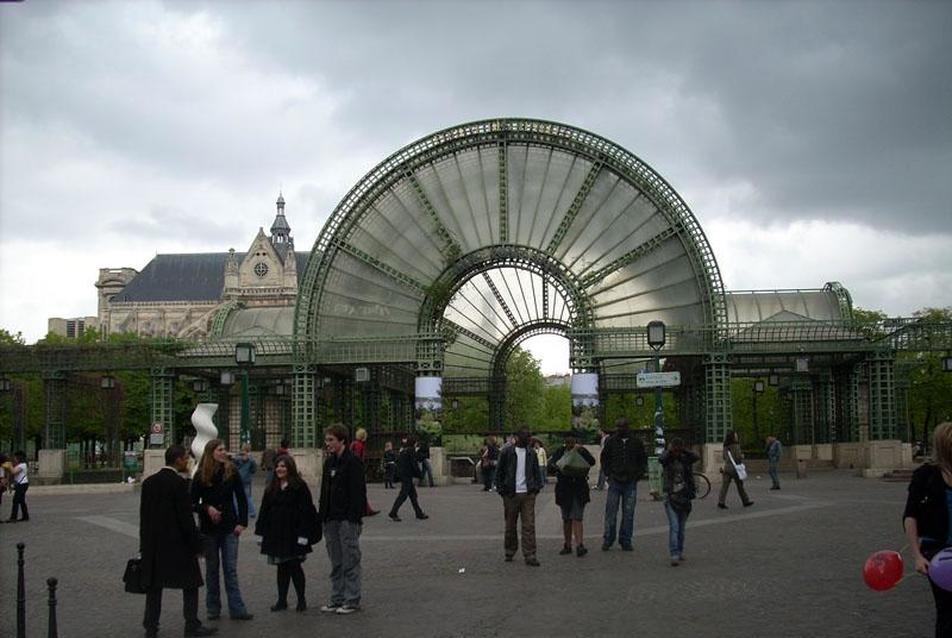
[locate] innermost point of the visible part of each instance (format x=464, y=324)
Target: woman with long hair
x=732, y=456
x=286, y=522
x=219, y=498
x=926, y=518
x=679, y=490
x=571, y=493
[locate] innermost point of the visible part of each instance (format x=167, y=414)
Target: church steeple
x=280, y=230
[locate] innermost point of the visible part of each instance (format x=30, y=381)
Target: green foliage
x=524, y=391
x=930, y=387
x=8, y=338
x=429, y=427
x=769, y=413
x=556, y=408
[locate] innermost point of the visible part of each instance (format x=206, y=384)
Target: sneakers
x=330, y=608
x=347, y=609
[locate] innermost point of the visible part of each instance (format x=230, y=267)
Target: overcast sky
x=812, y=140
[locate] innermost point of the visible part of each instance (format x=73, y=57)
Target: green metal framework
x=54, y=389
x=163, y=384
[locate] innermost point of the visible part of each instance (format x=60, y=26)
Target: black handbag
x=133, y=576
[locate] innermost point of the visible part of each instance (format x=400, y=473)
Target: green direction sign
x=130, y=461
x=658, y=379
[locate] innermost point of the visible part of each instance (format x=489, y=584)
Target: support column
x=163, y=383
x=882, y=397
x=825, y=408
x=803, y=418
x=54, y=391
x=717, y=397
x=846, y=382
x=903, y=420
x=303, y=413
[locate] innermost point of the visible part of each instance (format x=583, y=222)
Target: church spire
x=280, y=230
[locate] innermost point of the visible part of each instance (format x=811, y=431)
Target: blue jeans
x=222, y=549
x=623, y=493
x=677, y=519
x=251, y=503
x=426, y=471
x=772, y=467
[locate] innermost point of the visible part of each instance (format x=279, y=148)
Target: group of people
x=288, y=522
x=15, y=477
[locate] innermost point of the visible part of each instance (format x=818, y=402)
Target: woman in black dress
x=571, y=493
x=286, y=524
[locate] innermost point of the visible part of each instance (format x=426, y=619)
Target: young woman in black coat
x=285, y=523
x=926, y=519
x=571, y=495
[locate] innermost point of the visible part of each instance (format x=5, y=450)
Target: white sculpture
x=205, y=430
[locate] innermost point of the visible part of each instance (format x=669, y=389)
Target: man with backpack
x=623, y=460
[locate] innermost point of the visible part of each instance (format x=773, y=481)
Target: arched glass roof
x=488, y=229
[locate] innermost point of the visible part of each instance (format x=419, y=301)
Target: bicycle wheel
x=703, y=485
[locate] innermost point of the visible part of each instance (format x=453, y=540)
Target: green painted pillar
x=54, y=393
x=303, y=413
x=163, y=383
x=717, y=397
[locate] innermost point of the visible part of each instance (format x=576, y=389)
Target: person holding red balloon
x=927, y=520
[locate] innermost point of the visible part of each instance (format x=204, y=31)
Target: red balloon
x=883, y=570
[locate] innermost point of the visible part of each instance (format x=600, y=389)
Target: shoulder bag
x=739, y=468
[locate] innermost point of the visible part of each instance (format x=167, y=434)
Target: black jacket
x=568, y=488
x=927, y=504
x=506, y=472
x=623, y=457
x=222, y=495
x=168, y=539
x=686, y=459
x=285, y=516
x=407, y=466
x=343, y=488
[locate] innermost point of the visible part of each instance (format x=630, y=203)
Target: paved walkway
x=789, y=566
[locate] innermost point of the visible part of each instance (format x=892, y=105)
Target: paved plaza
x=789, y=566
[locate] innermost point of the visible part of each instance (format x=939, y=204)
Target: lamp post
x=245, y=358
x=656, y=339
x=758, y=390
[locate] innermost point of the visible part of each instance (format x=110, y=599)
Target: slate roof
x=185, y=277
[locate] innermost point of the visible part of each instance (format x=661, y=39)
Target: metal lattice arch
x=475, y=235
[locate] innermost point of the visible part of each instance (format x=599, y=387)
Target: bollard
x=51, y=584
x=21, y=594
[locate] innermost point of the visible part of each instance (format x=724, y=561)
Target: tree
x=524, y=391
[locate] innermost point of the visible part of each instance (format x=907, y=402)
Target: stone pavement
x=788, y=566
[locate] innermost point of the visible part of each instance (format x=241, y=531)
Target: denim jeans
x=251, y=503
x=623, y=494
x=426, y=471
x=342, y=539
x=222, y=549
x=677, y=519
x=772, y=467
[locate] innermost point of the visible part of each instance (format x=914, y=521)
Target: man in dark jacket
x=343, y=503
x=518, y=480
x=170, y=544
x=407, y=470
x=623, y=461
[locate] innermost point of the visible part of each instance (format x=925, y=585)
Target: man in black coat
x=407, y=470
x=170, y=544
x=518, y=481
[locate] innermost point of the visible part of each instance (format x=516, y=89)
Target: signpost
x=157, y=434
x=658, y=379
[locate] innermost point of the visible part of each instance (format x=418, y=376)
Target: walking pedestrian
x=267, y=464
x=407, y=470
x=389, y=464
x=21, y=482
x=488, y=459
x=679, y=490
x=423, y=458
x=774, y=452
x=602, y=437
x=216, y=493
x=170, y=544
x=926, y=519
x=732, y=456
x=623, y=461
x=518, y=481
x=246, y=466
x=539, y=450
x=358, y=448
x=286, y=526
x=571, y=490
x=343, y=503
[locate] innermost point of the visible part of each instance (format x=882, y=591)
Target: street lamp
x=200, y=385
x=455, y=404
x=227, y=378
x=245, y=358
x=5, y=384
x=758, y=389
x=774, y=380
x=656, y=339
x=107, y=382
